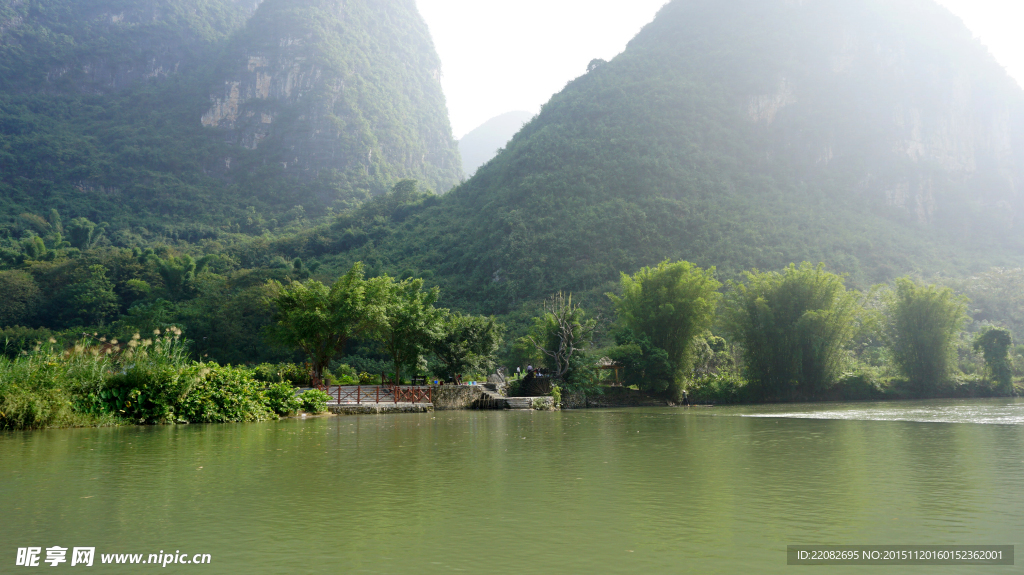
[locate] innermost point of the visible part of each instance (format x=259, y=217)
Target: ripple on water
x=989, y=412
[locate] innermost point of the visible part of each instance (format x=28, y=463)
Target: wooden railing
x=413, y=394
x=381, y=394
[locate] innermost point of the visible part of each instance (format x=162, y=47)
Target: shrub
x=515, y=388
x=223, y=394
x=22, y=408
x=281, y=399
x=721, y=388
x=154, y=379
x=17, y=339
x=297, y=375
x=858, y=386
x=42, y=387
x=347, y=380
x=144, y=393
x=314, y=401
x=556, y=395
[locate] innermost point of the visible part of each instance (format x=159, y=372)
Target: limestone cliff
x=321, y=85
x=876, y=136
x=202, y=106
x=100, y=46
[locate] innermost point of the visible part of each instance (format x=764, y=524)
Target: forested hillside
x=164, y=160
x=187, y=119
x=876, y=136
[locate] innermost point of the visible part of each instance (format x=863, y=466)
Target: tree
x=21, y=296
x=465, y=342
x=995, y=343
x=670, y=304
x=34, y=247
x=179, y=273
x=320, y=320
x=795, y=327
x=645, y=366
x=83, y=234
x=921, y=334
x=563, y=335
x=405, y=320
x=90, y=301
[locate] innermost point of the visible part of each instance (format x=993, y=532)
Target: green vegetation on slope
x=742, y=135
x=115, y=110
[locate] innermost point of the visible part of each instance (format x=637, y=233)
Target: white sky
x=505, y=55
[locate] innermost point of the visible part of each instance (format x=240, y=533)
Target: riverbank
x=151, y=381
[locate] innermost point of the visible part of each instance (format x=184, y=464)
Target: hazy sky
x=504, y=55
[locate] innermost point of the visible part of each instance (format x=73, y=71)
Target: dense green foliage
x=562, y=337
x=670, y=304
x=101, y=102
x=795, y=327
x=320, y=320
x=740, y=134
x=923, y=324
x=644, y=366
x=407, y=322
x=465, y=344
x=995, y=343
x=142, y=380
x=727, y=136
x=314, y=400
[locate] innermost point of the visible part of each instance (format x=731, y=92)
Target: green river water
x=687, y=490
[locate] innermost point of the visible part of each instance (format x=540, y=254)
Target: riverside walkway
x=358, y=399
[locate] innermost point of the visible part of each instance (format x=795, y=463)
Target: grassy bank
x=142, y=381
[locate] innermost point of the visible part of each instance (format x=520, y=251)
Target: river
x=686, y=490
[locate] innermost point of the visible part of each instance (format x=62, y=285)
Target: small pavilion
x=607, y=364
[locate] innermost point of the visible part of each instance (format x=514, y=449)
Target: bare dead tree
x=566, y=332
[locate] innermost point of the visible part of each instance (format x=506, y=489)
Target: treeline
x=104, y=380
x=62, y=279
x=398, y=316
x=794, y=335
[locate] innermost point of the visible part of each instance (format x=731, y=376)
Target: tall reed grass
x=142, y=380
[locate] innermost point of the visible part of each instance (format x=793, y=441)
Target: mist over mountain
x=227, y=143
x=483, y=143
x=876, y=136
x=184, y=114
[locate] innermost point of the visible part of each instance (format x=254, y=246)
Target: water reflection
x=600, y=491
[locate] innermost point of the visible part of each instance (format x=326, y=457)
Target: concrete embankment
x=378, y=408
x=379, y=400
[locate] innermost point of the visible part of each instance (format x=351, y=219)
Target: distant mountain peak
x=483, y=142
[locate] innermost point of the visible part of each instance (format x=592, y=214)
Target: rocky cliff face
x=876, y=136
x=894, y=93
x=283, y=102
x=101, y=46
x=320, y=86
